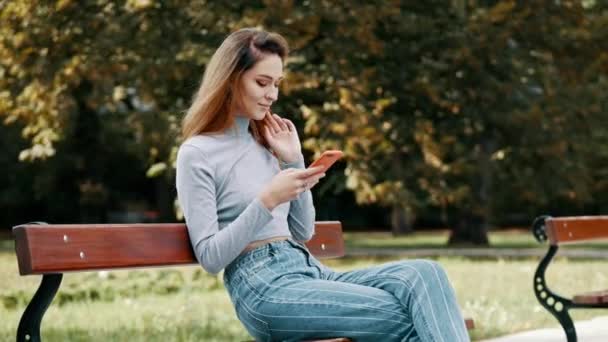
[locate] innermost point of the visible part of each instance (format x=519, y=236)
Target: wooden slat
x=561, y=230
x=597, y=297
x=61, y=248
x=79, y=247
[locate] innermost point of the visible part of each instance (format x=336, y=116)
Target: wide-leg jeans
x=282, y=293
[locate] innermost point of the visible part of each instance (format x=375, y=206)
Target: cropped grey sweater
x=218, y=179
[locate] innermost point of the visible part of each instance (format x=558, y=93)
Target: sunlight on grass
x=186, y=304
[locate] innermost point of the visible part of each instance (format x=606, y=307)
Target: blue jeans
x=282, y=293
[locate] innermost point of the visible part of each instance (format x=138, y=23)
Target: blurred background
x=466, y=115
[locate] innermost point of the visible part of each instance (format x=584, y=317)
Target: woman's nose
x=273, y=94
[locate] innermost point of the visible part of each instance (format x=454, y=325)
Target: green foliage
x=470, y=110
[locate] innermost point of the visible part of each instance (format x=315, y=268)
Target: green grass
x=503, y=239
x=186, y=304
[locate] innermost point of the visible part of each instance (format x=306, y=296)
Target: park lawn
x=186, y=304
x=437, y=239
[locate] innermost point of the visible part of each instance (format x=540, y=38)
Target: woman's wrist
x=293, y=163
x=267, y=201
x=292, y=158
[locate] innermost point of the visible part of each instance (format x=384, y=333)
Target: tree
x=438, y=105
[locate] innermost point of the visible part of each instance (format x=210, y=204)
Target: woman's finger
x=315, y=178
x=310, y=185
x=268, y=125
x=313, y=184
x=273, y=123
x=290, y=124
x=291, y=127
x=267, y=133
x=280, y=122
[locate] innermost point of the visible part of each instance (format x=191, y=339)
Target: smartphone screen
x=327, y=159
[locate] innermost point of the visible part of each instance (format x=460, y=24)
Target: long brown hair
x=218, y=94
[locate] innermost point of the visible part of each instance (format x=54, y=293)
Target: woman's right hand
x=288, y=184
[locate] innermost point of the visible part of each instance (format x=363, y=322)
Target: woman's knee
x=429, y=270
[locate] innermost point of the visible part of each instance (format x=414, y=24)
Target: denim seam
x=414, y=295
x=425, y=290
x=430, y=299
x=293, y=301
x=332, y=291
x=434, y=267
x=250, y=325
x=251, y=311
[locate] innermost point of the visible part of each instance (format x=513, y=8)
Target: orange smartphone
x=327, y=159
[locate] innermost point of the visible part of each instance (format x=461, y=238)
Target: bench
x=53, y=249
x=560, y=231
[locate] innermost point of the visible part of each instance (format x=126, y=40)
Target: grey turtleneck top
x=218, y=179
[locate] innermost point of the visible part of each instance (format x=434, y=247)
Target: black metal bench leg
x=557, y=305
x=566, y=322
x=29, y=325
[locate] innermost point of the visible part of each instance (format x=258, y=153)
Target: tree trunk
x=469, y=229
x=400, y=224
x=472, y=226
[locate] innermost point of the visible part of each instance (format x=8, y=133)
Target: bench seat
x=595, y=297
x=53, y=249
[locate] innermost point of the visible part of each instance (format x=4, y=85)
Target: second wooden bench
x=559, y=231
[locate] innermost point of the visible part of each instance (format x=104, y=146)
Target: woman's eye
x=262, y=84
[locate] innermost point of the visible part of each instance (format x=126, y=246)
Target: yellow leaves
x=307, y=112
x=381, y=104
x=386, y=126
x=346, y=100
x=300, y=80
x=338, y=128
x=179, y=213
x=19, y=39
x=311, y=127
x=36, y=152
x=138, y=5
x=156, y=169
x=309, y=144
x=37, y=105
x=502, y=11
x=119, y=93
x=6, y=104
x=361, y=183
x=173, y=156
x=388, y=192
x=431, y=150
x=63, y=4
x=499, y=155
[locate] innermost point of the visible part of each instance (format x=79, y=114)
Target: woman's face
x=260, y=87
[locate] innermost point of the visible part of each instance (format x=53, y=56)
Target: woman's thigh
x=295, y=308
x=423, y=290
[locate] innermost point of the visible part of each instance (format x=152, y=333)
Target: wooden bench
x=559, y=231
x=53, y=249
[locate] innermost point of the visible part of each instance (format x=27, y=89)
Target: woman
x=245, y=193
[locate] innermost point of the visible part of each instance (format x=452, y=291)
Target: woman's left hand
x=282, y=137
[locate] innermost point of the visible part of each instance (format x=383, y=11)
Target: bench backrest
x=562, y=230
x=58, y=248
